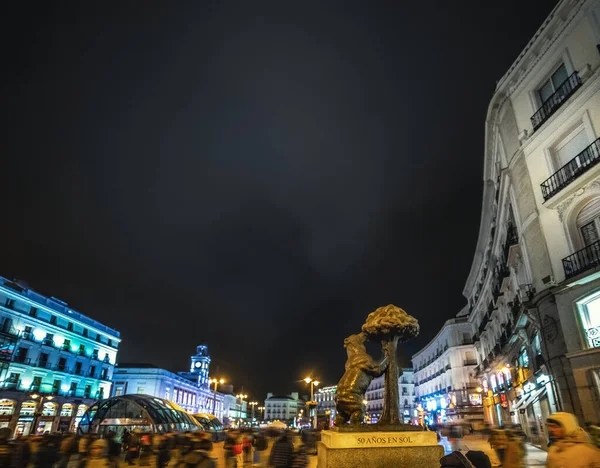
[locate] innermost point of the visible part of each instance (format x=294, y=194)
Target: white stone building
x=285, y=408
x=445, y=386
x=534, y=282
x=406, y=392
x=190, y=390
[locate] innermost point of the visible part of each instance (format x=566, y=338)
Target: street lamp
x=262, y=412
x=39, y=409
x=216, y=382
x=313, y=384
x=241, y=396
x=253, y=404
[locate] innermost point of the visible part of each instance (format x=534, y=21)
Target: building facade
x=325, y=398
x=534, y=283
x=445, y=385
x=285, y=408
x=235, y=410
x=406, y=391
x=190, y=390
x=54, y=362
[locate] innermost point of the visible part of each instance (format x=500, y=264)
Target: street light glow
x=308, y=380
x=316, y=383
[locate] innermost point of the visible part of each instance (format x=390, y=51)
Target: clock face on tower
x=198, y=364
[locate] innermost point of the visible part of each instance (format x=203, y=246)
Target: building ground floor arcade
x=27, y=413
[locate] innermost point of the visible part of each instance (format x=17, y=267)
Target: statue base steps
x=379, y=449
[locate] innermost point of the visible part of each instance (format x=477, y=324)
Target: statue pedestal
x=379, y=449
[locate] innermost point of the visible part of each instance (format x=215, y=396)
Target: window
x=570, y=147
x=33, y=312
x=67, y=344
x=53, y=319
x=120, y=390
x=35, y=385
x=588, y=222
x=553, y=83
x=589, y=313
x=70, y=326
x=524, y=358
x=66, y=410
x=56, y=386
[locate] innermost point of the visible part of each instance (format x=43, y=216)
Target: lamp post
x=262, y=412
x=216, y=382
x=241, y=396
x=253, y=404
x=39, y=409
x=313, y=383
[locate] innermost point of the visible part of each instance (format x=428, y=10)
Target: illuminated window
x=7, y=407
x=66, y=410
x=589, y=313
x=28, y=408
x=49, y=409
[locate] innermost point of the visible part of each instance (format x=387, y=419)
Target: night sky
x=257, y=177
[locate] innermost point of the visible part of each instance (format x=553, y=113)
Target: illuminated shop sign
x=528, y=387
x=543, y=379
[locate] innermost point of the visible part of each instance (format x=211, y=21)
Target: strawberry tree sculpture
x=390, y=325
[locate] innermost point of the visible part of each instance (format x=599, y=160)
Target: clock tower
x=199, y=366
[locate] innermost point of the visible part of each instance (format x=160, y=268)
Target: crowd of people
x=570, y=446
x=179, y=450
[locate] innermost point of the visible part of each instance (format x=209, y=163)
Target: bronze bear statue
x=361, y=369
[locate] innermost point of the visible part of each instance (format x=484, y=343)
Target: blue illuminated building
x=54, y=361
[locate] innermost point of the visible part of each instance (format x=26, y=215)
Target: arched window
x=588, y=222
x=66, y=410
x=81, y=409
x=28, y=408
x=7, y=407
x=49, y=409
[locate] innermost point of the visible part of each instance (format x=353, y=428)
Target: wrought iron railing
x=550, y=105
x=585, y=160
x=582, y=260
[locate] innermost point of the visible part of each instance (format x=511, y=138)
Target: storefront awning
x=530, y=398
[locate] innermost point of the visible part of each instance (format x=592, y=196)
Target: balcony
x=553, y=103
x=581, y=163
x=582, y=260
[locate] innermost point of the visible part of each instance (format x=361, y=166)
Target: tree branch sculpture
x=390, y=325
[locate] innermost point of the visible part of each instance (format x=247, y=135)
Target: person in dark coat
x=479, y=459
x=282, y=452
x=114, y=449
x=21, y=452
x=48, y=453
x=455, y=460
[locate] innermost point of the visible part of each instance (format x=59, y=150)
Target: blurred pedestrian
x=247, y=447
x=133, y=448
x=98, y=454
x=48, y=453
x=514, y=456
x=571, y=445
x=5, y=446
x=300, y=457
x=68, y=447
x=260, y=446
x=163, y=454
x=478, y=459
x=455, y=460
x=114, y=449
x=82, y=450
x=499, y=442
x=21, y=452
x=232, y=448
x=282, y=451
